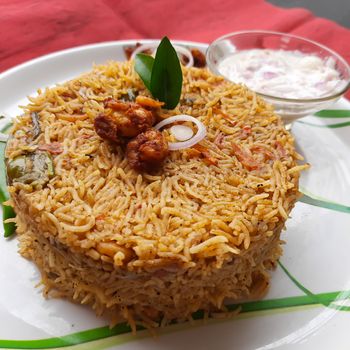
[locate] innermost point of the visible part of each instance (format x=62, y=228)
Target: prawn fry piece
x=147, y=151
x=123, y=120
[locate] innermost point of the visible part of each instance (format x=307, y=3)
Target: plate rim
x=94, y=46
x=87, y=47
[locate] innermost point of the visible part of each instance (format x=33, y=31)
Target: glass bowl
x=289, y=109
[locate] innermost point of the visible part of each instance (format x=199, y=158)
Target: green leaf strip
x=253, y=306
x=313, y=297
x=333, y=113
x=330, y=126
x=310, y=198
x=322, y=299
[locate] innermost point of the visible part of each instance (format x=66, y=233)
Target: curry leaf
x=143, y=66
x=166, y=78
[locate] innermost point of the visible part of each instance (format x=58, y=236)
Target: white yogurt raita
x=289, y=74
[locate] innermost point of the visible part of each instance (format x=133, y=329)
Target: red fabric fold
x=31, y=28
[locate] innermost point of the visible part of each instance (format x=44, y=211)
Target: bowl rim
x=278, y=98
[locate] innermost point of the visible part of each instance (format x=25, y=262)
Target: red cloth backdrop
x=31, y=28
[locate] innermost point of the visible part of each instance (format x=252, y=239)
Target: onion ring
x=199, y=136
x=179, y=49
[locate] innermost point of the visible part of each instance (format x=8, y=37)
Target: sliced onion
x=199, y=136
x=186, y=53
x=153, y=46
x=144, y=47
x=181, y=132
x=3, y=137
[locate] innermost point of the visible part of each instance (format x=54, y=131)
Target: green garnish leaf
x=163, y=75
x=166, y=80
x=143, y=66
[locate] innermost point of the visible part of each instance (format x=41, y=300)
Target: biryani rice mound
x=155, y=247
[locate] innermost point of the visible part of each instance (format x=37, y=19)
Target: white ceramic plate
x=308, y=304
